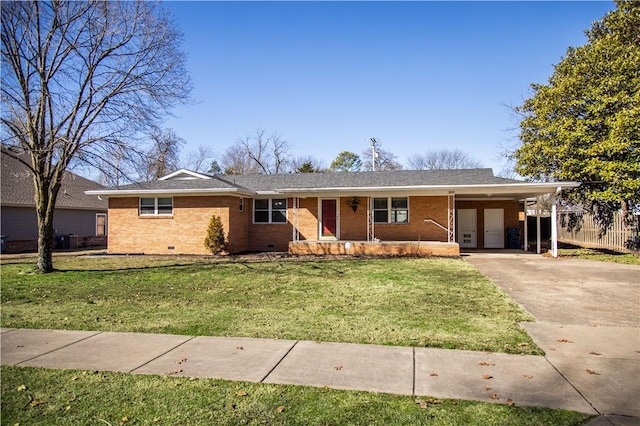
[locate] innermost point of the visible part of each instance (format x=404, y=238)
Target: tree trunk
x=46, y=194
x=45, y=241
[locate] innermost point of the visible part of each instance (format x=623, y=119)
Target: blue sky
x=327, y=76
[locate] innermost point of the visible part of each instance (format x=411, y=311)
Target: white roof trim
x=187, y=173
x=196, y=191
x=499, y=188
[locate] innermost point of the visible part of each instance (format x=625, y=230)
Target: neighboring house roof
x=17, y=188
x=462, y=182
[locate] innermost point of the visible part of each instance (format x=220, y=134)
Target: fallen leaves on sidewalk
x=527, y=376
x=564, y=341
x=487, y=364
x=487, y=376
x=592, y=372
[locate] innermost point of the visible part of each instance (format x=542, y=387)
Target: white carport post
x=538, y=248
x=526, y=228
x=554, y=229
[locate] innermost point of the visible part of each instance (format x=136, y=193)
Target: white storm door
x=493, y=228
x=467, y=225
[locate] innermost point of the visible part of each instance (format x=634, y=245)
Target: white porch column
x=554, y=229
x=526, y=228
x=295, y=221
x=538, y=249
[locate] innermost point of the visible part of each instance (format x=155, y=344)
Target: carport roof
x=469, y=183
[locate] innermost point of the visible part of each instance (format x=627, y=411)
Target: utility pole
x=374, y=153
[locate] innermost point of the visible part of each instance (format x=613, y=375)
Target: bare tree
x=201, y=160
x=79, y=81
x=383, y=160
x=164, y=155
x=259, y=153
x=443, y=159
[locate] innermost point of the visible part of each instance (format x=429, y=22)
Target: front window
x=391, y=210
x=270, y=210
x=101, y=224
x=156, y=206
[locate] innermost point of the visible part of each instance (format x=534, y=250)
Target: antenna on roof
x=374, y=153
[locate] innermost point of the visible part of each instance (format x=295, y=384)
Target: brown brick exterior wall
x=185, y=230
x=420, y=208
x=511, y=215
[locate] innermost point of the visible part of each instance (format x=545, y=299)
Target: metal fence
x=621, y=236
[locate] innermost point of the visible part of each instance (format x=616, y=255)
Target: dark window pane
x=399, y=203
x=262, y=204
x=147, y=202
x=147, y=210
x=165, y=210
x=380, y=216
x=279, y=204
x=261, y=216
x=278, y=216
x=165, y=202
x=379, y=203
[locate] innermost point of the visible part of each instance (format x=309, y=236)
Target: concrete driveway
x=587, y=320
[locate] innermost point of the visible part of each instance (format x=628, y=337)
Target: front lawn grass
x=442, y=303
x=34, y=396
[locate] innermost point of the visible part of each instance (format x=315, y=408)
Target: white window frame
x=155, y=207
x=241, y=208
x=389, y=210
x=270, y=211
x=105, y=224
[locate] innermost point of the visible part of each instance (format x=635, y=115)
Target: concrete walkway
x=587, y=322
x=590, y=336
x=489, y=377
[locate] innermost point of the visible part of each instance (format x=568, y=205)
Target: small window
x=391, y=210
x=380, y=210
x=270, y=210
x=241, y=207
x=101, y=224
x=399, y=210
x=156, y=206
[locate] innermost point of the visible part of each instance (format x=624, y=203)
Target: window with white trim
x=391, y=210
x=270, y=210
x=101, y=224
x=156, y=206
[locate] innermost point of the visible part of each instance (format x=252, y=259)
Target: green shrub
x=215, y=240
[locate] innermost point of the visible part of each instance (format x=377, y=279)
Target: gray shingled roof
x=379, y=179
x=17, y=188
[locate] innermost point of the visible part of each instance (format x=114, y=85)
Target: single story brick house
x=381, y=212
x=78, y=215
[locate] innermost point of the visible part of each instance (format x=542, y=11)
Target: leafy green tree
x=584, y=125
x=215, y=240
x=346, y=161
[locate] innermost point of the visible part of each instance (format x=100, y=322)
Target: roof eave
x=474, y=189
x=193, y=191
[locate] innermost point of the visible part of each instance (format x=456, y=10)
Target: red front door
x=329, y=218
